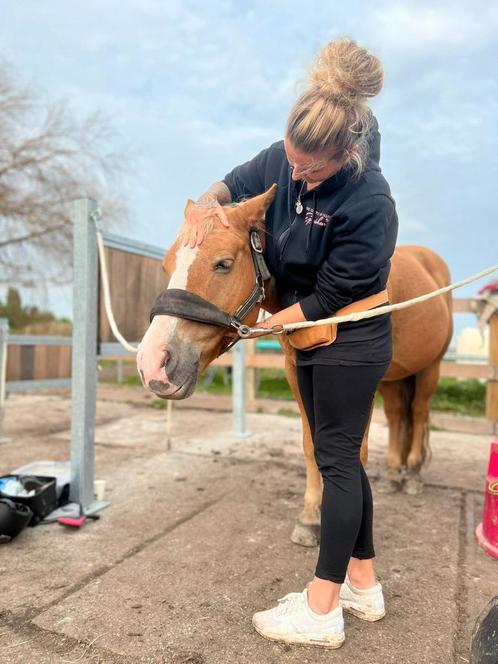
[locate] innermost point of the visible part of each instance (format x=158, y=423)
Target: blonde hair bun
x=345, y=70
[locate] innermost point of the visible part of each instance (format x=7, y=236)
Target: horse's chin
x=183, y=392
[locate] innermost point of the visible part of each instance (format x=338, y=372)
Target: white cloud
x=415, y=27
x=196, y=87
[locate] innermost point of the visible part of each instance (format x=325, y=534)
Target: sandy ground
x=197, y=538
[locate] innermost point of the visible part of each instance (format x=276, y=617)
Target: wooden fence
x=44, y=359
x=33, y=359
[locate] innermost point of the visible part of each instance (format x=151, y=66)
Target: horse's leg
x=394, y=409
x=425, y=385
x=307, y=529
x=364, y=442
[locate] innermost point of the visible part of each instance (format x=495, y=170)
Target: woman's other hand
x=196, y=216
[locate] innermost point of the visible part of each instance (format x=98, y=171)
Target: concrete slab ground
x=197, y=538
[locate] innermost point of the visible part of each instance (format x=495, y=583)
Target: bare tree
x=47, y=159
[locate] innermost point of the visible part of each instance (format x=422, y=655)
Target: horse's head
x=174, y=351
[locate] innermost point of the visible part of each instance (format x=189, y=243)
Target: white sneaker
x=366, y=604
x=293, y=621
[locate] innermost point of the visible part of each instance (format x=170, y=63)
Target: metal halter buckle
x=243, y=330
x=256, y=242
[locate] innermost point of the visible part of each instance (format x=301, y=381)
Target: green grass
x=288, y=412
x=462, y=397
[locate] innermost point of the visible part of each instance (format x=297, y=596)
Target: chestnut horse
x=175, y=351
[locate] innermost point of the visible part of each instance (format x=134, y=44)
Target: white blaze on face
x=185, y=256
x=154, y=344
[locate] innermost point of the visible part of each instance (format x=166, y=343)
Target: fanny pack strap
x=365, y=304
x=309, y=338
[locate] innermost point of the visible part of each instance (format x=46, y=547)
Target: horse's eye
x=223, y=265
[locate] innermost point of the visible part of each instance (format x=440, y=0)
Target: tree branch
x=31, y=236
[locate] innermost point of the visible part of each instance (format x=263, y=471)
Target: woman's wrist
x=217, y=194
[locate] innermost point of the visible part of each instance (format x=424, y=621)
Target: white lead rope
x=107, y=296
x=371, y=313
x=114, y=326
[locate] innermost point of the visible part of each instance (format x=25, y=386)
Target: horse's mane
x=208, y=227
x=209, y=222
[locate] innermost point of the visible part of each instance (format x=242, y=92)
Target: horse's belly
x=422, y=332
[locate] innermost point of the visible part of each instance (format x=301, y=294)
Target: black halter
x=184, y=304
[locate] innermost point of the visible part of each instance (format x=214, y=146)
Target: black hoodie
x=335, y=252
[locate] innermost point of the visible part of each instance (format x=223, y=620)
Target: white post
x=239, y=389
x=4, y=333
x=119, y=371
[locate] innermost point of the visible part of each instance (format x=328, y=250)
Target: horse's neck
x=270, y=303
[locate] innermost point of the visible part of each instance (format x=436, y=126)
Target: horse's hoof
x=413, y=485
x=306, y=534
x=385, y=485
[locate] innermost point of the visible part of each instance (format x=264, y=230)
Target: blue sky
x=194, y=88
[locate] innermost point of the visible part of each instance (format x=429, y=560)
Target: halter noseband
x=184, y=304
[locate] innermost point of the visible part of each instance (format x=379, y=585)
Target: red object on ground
x=487, y=531
x=74, y=521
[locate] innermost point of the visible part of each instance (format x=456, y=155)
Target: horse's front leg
x=307, y=529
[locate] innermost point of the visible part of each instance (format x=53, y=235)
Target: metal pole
x=492, y=385
x=239, y=389
x=4, y=333
x=119, y=371
x=84, y=354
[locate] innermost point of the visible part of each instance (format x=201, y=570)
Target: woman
x=331, y=232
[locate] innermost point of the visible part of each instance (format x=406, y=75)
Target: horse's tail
x=407, y=389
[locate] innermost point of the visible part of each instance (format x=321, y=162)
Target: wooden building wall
x=134, y=281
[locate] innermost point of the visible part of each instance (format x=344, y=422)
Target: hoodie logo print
x=315, y=217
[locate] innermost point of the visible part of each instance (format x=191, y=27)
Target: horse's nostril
x=166, y=358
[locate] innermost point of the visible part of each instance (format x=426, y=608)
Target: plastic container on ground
x=61, y=470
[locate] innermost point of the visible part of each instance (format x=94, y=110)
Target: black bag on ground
x=41, y=502
x=14, y=517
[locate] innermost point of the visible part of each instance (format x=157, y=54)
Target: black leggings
x=337, y=400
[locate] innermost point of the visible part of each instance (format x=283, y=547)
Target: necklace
x=299, y=205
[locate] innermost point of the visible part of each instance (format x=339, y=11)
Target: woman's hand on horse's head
x=196, y=217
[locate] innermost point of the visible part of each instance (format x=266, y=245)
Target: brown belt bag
x=308, y=338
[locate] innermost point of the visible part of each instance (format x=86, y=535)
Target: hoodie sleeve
x=359, y=260
x=248, y=179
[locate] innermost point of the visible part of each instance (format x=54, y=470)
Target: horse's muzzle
x=169, y=373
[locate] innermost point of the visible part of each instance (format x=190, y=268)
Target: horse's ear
x=190, y=203
x=254, y=209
